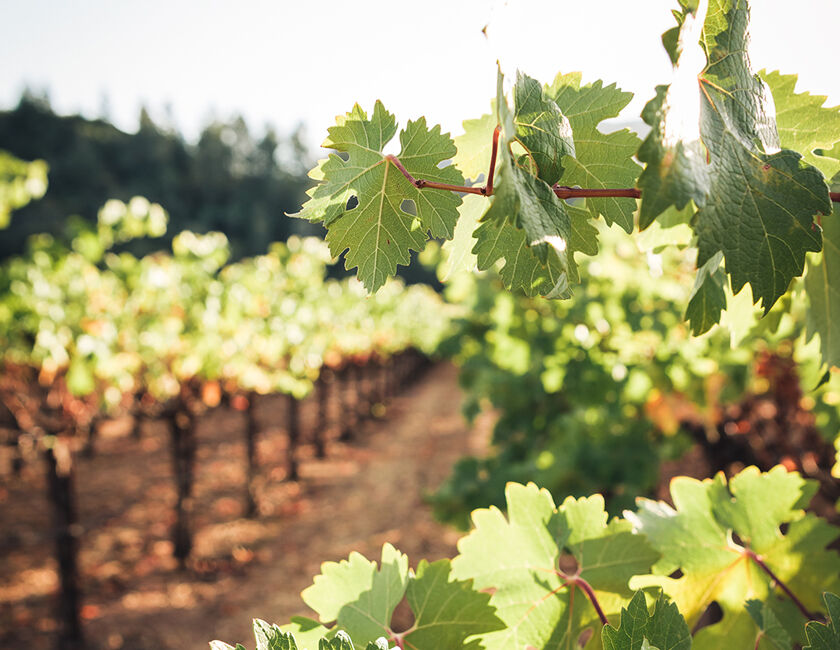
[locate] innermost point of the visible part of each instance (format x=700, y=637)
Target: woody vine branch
x=561, y=191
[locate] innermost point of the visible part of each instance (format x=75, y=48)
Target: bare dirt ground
x=367, y=492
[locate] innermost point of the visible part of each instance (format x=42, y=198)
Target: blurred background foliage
x=231, y=180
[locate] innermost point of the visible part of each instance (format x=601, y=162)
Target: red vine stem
x=562, y=191
x=590, y=594
x=755, y=557
x=488, y=188
x=421, y=183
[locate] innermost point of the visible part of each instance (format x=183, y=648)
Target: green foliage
x=551, y=577
x=380, y=231
x=715, y=176
x=576, y=384
x=600, y=160
x=757, y=203
x=822, y=284
x=768, y=624
x=822, y=636
x=518, y=558
x=665, y=629
x=113, y=325
x=272, y=637
x=20, y=183
x=356, y=596
x=710, y=536
x=541, y=128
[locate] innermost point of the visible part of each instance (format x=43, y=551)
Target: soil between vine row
x=366, y=492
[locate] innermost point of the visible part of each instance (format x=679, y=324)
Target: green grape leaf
x=341, y=641
x=530, y=204
x=221, y=645
x=307, y=633
x=714, y=141
x=822, y=285
x=527, y=226
x=446, y=611
x=519, y=558
x=708, y=298
x=522, y=269
x=458, y=251
x=768, y=625
x=665, y=629
x=541, y=128
x=600, y=160
x=358, y=596
x=698, y=539
x=475, y=144
x=804, y=124
x=361, y=600
x=381, y=229
x=271, y=637
x=822, y=636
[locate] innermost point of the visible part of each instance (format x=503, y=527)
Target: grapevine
x=737, y=169
x=533, y=164
x=737, y=166
x=88, y=334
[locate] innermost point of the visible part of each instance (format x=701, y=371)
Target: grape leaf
x=716, y=142
x=822, y=285
x=804, y=124
x=474, y=145
x=271, y=637
x=361, y=600
x=358, y=596
x=458, y=251
x=708, y=298
x=768, y=625
x=307, y=632
x=342, y=641
x=380, y=230
x=822, y=636
x=522, y=269
x=698, y=539
x=518, y=557
x=526, y=225
x=530, y=204
x=665, y=629
x=446, y=611
x=600, y=160
x=274, y=637
x=221, y=645
x=541, y=128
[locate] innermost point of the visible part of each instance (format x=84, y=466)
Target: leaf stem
x=564, y=192
x=590, y=593
x=755, y=557
x=488, y=188
x=561, y=191
x=421, y=183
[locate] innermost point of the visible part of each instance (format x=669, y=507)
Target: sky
x=288, y=63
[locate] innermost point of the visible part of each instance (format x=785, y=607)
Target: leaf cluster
x=549, y=576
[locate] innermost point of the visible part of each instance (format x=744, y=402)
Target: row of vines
x=89, y=331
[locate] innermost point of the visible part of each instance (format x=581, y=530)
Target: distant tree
x=229, y=180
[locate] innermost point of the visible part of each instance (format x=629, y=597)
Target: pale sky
x=284, y=63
